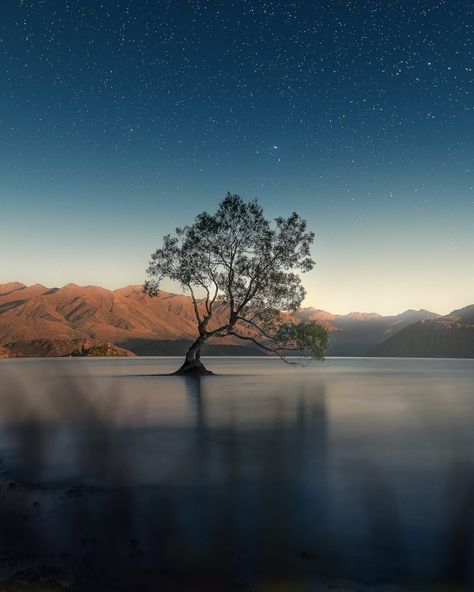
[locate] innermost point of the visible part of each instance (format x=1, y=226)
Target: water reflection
x=250, y=482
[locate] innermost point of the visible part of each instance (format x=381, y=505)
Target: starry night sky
x=120, y=120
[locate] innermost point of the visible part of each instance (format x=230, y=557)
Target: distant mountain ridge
x=451, y=336
x=10, y=287
x=354, y=333
x=37, y=320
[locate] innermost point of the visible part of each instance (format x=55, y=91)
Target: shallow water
x=265, y=477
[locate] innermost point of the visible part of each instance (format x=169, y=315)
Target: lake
x=351, y=474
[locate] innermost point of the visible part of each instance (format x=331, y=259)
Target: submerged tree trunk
x=192, y=363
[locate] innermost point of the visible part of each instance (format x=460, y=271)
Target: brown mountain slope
x=163, y=325
x=122, y=317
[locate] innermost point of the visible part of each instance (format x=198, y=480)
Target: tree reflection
x=231, y=493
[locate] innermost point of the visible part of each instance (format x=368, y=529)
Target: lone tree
x=241, y=273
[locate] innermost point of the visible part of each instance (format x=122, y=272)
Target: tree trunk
x=192, y=363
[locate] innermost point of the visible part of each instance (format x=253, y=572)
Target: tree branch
x=196, y=309
x=256, y=327
x=276, y=351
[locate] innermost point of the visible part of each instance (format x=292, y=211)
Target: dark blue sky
x=121, y=119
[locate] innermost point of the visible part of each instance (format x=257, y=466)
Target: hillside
x=37, y=320
x=451, y=336
x=353, y=334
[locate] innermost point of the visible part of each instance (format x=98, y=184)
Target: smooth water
x=354, y=473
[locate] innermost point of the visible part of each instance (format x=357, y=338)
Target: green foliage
x=308, y=338
x=238, y=258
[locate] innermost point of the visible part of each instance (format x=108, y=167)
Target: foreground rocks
x=6, y=353
x=92, y=348
x=62, y=348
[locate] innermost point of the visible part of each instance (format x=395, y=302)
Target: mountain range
x=451, y=336
x=87, y=320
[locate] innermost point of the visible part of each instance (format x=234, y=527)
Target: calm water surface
x=354, y=473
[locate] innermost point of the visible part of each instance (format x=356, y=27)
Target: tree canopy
x=238, y=261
